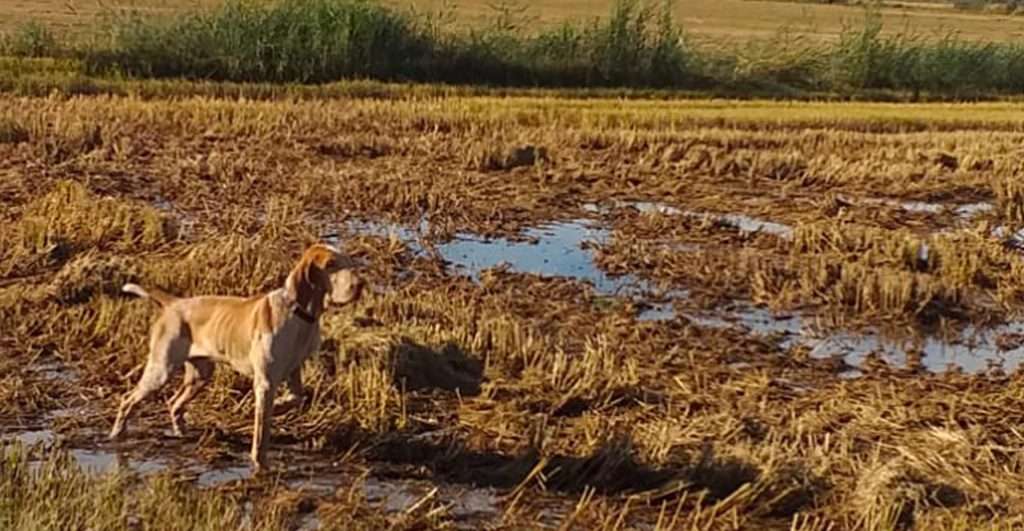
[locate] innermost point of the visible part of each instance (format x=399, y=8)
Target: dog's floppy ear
x=308, y=279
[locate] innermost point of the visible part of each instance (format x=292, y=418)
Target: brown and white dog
x=266, y=337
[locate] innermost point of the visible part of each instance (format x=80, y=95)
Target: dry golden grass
x=75, y=15
x=715, y=19
x=726, y=19
x=521, y=383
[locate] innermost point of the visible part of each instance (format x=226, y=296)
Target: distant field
x=712, y=18
x=724, y=18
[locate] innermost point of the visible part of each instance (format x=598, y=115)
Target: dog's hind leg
x=170, y=342
x=198, y=373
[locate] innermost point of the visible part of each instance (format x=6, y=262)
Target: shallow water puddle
x=211, y=477
x=923, y=207
x=558, y=252
x=99, y=461
x=553, y=249
x=29, y=437
x=963, y=211
x=743, y=222
x=39, y=431
x=1015, y=239
x=657, y=311
x=971, y=210
x=750, y=224
x=973, y=352
x=462, y=504
x=557, y=249
x=392, y=495
x=90, y=460
x=396, y=496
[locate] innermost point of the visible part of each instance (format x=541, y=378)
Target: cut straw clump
x=918, y=486
x=1009, y=195
x=70, y=219
x=358, y=377
x=863, y=289
x=900, y=248
x=887, y=274
x=88, y=275
x=11, y=132
x=497, y=156
x=76, y=140
x=228, y=265
x=597, y=377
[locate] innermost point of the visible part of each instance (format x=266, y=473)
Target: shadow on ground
x=420, y=368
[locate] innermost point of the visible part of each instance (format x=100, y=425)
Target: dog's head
x=325, y=271
x=346, y=287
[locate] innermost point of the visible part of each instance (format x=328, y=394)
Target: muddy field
x=584, y=314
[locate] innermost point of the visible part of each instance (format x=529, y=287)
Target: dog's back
x=223, y=327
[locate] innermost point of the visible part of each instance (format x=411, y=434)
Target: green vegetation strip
x=638, y=46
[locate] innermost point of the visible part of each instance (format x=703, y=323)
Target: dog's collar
x=303, y=314
x=297, y=309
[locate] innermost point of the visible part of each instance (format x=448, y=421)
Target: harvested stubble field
x=744, y=319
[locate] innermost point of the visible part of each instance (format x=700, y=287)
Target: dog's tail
x=160, y=296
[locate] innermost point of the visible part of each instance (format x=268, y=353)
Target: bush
x=637, y=45
x=864, y=58
x=292, y=40
x=30, y=40
x=325, y=40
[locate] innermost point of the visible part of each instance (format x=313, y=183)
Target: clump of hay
x=491, y=158
x=891, y=494
x=89, y=275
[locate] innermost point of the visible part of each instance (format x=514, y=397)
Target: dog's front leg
x=296, y=393
x=263, y=386
x=264, y=393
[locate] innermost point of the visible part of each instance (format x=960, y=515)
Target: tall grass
x=865, y=58
x=637, y=45
x=291, y=40
x=325, y=40
x=31, y=39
